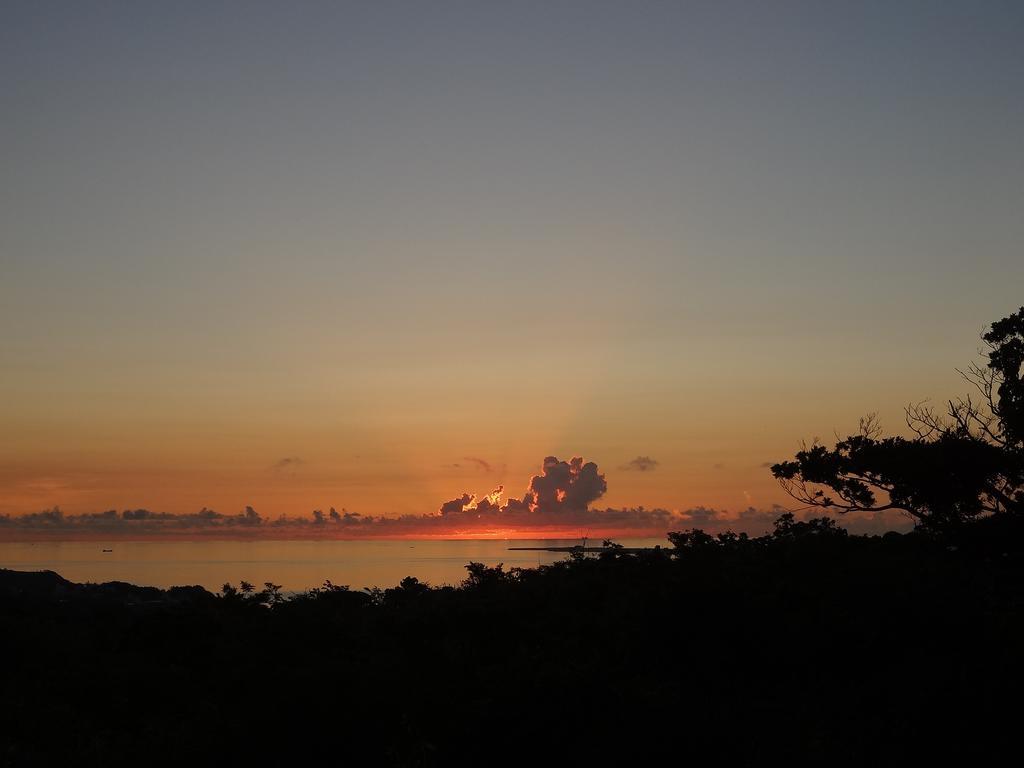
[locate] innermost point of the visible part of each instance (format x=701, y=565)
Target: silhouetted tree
x=731, y=538
x=1005, y=360
x=271, y=594
x=958, y=466
x=788, y=527
x=482, y=576
x=409, y=589
x=610, y=550
x=692, y=539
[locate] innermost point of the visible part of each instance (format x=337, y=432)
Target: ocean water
x=296, y=565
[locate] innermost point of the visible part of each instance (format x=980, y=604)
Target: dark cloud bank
x=556, y=500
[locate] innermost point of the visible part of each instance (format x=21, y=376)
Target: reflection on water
x=296, y=565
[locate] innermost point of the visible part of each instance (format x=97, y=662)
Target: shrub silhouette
x=874, y=650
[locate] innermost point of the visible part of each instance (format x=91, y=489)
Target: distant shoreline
x=32, y=537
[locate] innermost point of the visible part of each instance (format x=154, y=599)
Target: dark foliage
x=1005, y=359
x=966, y=464
x=807, y=645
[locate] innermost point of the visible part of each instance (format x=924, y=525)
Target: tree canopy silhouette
x=958, y=465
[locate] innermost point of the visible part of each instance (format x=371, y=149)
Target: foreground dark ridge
x=807, y=645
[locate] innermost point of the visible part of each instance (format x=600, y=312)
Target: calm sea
x=296, y=565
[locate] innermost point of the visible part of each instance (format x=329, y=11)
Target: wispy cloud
x=640, y=464
x=480, y=464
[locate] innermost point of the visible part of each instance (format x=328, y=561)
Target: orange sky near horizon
x=352, y=254
x=379, y=458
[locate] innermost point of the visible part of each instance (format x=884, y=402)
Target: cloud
x=288, y=462
x=558, y=499
x=565, y=485
x=480, y=463
x=456, y=505
x=640, y=464
x=129, y=519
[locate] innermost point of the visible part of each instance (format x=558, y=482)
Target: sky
x=375, y=255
